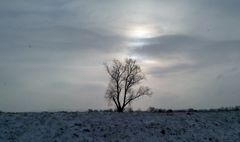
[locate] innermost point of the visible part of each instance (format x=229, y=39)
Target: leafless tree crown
x=124, y=80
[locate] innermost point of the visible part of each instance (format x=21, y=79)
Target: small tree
x=123, y=86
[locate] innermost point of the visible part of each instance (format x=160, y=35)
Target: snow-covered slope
x=111, y=126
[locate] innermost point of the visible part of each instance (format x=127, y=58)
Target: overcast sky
x=52, y=52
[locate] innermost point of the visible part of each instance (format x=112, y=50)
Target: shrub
x=191, y=110
x=152, y=109
x=108, y=110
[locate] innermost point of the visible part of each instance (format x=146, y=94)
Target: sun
x=139, y=32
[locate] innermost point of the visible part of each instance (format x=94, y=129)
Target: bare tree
x=124, y=80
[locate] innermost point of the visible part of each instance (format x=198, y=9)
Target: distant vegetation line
x=158, y=110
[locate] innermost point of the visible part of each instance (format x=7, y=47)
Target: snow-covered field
x=112, y=126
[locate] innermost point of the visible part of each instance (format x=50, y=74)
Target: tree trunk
x=119, y=109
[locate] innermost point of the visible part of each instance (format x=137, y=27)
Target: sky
x=52, y=52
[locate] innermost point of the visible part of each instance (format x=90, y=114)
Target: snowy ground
x=112, y=126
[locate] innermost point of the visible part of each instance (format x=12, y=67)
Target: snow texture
x=116, y=127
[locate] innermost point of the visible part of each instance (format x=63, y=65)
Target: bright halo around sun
x=139, y=32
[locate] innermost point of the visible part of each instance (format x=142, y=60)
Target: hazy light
x=136, y=43
x=153, y=62
x=166, y=63
x=139, y=32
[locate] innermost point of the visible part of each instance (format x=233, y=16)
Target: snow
x=116, y=127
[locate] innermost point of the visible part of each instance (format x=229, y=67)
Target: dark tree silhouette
x=124, y=80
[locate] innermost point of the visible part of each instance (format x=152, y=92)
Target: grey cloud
x=214, y=19
x=201, y=52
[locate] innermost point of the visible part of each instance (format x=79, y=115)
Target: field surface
x=117, y=127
